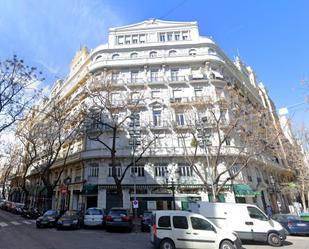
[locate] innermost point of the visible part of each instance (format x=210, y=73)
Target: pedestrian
x=269, y=211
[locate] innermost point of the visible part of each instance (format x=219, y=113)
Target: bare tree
x=111, y=109
x=17, y=90
x=58, y=127
x=231, y=131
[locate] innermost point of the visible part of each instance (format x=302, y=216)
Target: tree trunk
x=3, y=190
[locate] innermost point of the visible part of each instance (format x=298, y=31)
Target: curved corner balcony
x=158, y=60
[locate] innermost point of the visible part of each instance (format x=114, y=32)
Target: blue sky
x=270, y=36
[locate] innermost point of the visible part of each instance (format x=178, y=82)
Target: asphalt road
x=19, y=233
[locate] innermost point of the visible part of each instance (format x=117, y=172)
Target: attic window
x=211, y=51
x=115, y=56
x=133, y=56
x=172, y=53
x=192, y=52
x=153, y=54
x=98, y=57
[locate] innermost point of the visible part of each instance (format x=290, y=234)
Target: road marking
x=33, y=221
x=27, y=222
x=15, y=223
x=3, y=224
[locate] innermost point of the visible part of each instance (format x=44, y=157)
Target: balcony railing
x=162, y=124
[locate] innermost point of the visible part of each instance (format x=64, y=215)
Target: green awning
x=90, y=189
x=243, y=190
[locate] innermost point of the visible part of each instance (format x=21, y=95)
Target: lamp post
x=204, y=134
x=134, y=142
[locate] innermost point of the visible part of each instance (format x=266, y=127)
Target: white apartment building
x=174, y=67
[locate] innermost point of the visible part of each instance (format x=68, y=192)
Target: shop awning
x=243, y=190
x=90, y=189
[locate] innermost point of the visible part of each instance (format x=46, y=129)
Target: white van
x=247, y=220
x=182, y=229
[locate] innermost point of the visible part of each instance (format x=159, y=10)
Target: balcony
x=200, y=100
x=159, y=125
x=179, y=102
x=177, y=80
x=155, y=81
x=135, y=82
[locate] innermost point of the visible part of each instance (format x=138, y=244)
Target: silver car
x=94, y=217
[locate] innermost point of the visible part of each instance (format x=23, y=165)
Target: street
x=18, y=233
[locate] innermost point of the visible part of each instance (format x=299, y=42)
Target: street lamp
x=176, y=175
x=134, y=142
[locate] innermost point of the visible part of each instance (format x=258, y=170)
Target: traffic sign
x=135, y=204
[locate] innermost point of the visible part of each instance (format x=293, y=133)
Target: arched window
x=115, y=56
x=192, y=52
x=153, y=54
x=98, y=57
x=211, y=51
x=133, y=55
x=172, y=53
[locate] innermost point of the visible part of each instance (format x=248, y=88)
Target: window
x=254, y=213
x=164, y=221
x=201, y=224
x=185, y=35
x=169, y=36
x=118, y=171
x=185, y=170
x=180, y=119
x=198, y=92
x=134, y=77
x=127, y=39
x=177, y=36
x=115, y=98
x=138, y=171
x=211, y=51
x=177, y=93
x=156, y=115
x=93, y=170
x=120, y=40
x=155, y=94
x=133, y=55
x=160, y=169
x=234, y=169
x=134, y=39
x=115, y=77
x=153, y=54
x=228, y=141
x=192, y=52
x=115, y=56
x=162, y=37
x=142, y=38
x=154, y=75
x=172, y=53
x=174, y=74
x=98, y=57
x=180, y=222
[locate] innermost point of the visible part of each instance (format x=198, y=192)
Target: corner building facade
x=174, y=67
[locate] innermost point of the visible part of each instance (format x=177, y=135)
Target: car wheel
x=274, y=240
x=226, y=244
x=167, y=244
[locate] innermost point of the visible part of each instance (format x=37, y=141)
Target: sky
x=270, y=36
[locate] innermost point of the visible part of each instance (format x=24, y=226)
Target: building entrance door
x=92, y=201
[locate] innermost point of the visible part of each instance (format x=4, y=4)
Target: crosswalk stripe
x=15, y=223
x=3, y=224
x=33, y=221
x=27, y=222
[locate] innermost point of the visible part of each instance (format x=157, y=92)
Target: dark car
x=48, y=219
x=70, y=219
x=119, y=218
x=146, y=221
x=293, y=224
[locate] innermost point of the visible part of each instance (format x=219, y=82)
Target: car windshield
x=118, y=212
x=50, y=212
x=94, y=211
x=70, y=213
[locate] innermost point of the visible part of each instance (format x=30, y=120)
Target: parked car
x=70, y=219
x=293, y=224
x=253, y=224
x=2, y=203
x=31, y=213
x=48, y=219
x=146, y=221
x=94, y=217
x=17, y=208
x=183, y=229
x=119, y=218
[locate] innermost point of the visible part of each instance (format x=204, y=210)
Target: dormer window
x=133, y=55
x=185, y=35
x=153, y=54
x=115, y=56
x=134, y=39
x=169, y=36
x=98, y=57
x=177, y=36
x=162, y=37
x=120, y=40
x=127, y=39
x=142, y=38
x=172, y=53
x=192, y=52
